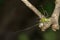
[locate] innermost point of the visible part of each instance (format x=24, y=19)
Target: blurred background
x=15, y=16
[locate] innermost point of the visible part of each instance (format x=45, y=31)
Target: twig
x=54, y=16
x=33, y=8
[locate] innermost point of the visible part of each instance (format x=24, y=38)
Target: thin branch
x=54, y=16
x=33, y=8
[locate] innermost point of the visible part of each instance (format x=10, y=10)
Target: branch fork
x=53, y=20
